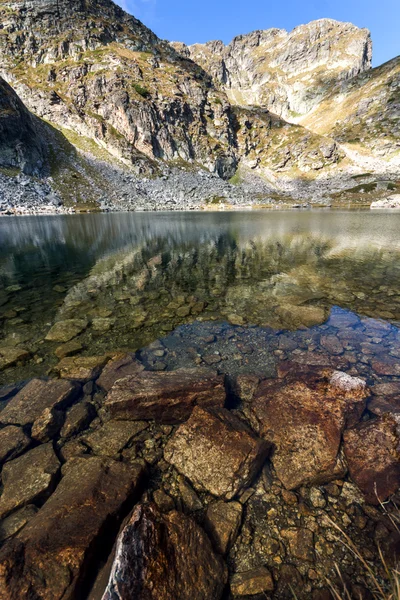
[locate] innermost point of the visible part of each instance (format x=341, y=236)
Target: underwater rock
x=164, y=556
x=373, y=454
x=28, y=478
x=64, y=331
x=216, y=451
x=165, y=397
x=37, y=395
x=55, y=552
x=304, y=415
x=9, y=356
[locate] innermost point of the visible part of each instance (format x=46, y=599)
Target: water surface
x=244, y=281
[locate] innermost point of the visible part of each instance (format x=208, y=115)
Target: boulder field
x=121, y=483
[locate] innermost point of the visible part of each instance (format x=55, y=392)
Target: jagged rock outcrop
x=363, y=112
x=285, y=72
x=21, y=146
x=110, y=78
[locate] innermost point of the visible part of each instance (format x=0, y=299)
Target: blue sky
x=193, y=21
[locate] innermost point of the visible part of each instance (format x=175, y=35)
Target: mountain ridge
x=145, y=108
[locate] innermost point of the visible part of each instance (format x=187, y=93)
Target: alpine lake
x=256, y=293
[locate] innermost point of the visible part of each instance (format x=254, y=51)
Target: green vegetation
x=141, y=90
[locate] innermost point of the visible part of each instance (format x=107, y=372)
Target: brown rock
x=78, y=418
x=163, y=501
x=216, y=451
x=13, y=442
x=164, y=556
x=332, y=344
x=29, y=404
x=55, y=553
x=68, y=349
x=252, y=582
x=373, y=454
x=245, y=386
x=300, y=541
x=190, y=499
x=47, y=425
x=10, y=356
x=222, y=523
x=64, y=331
x=15, y=522
x=118, y=369
x=165, y=397
x=389, y=366
x=28, y=478
x=304, y=415
x=113, y=436
x=81, y=368
x=379, y=405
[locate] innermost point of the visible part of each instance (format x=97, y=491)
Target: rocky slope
x=363, y=112
x=130, y=121
x=288, y=73
x=21, y=146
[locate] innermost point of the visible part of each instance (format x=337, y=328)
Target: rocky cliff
x=288, y=73
x=129, y=120
x=21, y=146
x=111, y=79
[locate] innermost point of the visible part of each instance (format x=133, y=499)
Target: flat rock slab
x=165, y=397
x=29, y=478
x=118, y=369
x=113, y=437
x=249, y=583
x=164, y=556
x=81, y=368
x=304, y=415
x=10, y=356
x=217, y=452
x=55, y=551
x=13, y=442
x=64, y=331
x=29, y=404
x=373, y=454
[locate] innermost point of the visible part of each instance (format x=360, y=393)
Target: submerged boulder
x=54, y=553
x=64, y=331
x=217, y=452
x=164, y=556
x=165, y=397
x=373, y=454
x=304, y=416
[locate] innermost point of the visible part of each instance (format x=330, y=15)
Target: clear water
x=240, y=291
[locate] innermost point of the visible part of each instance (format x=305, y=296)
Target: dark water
x=239, y=291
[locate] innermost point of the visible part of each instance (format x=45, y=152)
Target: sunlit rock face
x=92, y=68
x=285, y=72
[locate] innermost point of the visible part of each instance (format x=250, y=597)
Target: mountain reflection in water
x=136, y=277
